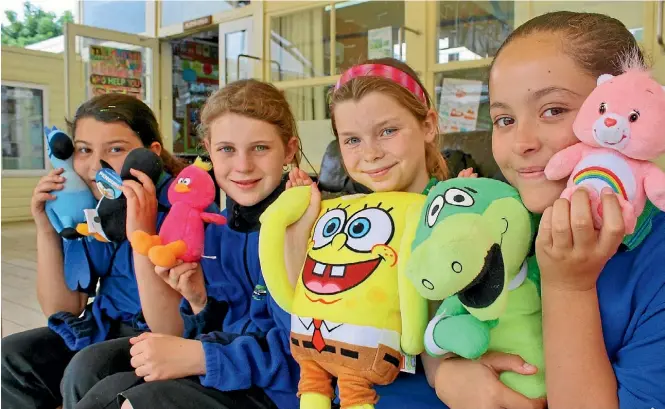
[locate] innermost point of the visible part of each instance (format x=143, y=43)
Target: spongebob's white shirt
x=352, y=334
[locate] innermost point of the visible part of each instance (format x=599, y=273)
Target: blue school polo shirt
x=117, y=299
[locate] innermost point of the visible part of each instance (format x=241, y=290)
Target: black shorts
x=184, y=393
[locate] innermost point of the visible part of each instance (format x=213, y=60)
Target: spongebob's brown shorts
x=356, y=368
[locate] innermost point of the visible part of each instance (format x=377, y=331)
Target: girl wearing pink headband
x=388, y=134
x=387, y=94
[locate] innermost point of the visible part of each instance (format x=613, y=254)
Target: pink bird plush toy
x=181, y=236
x=621, y=126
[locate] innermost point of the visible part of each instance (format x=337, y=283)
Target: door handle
x=401, y=37
x=238, y=64
x=279, y=67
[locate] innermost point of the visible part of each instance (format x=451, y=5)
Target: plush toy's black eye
x=603, y=108
x=634, y=116
x=61, y=146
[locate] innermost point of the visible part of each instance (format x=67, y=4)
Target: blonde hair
x=253, y=99
x=358, y=87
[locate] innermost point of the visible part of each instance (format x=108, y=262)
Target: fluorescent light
x=343, y=4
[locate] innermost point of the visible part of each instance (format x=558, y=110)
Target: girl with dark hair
x=603, y=292
x=107, y=127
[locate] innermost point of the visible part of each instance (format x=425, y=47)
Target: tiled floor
x=20, y=309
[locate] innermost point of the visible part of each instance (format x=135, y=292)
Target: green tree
x=37, y=25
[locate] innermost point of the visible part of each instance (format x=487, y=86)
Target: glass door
x=238, y=57
x=99, y=61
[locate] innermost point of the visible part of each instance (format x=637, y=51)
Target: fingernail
x=607, y=191
x=194, y=265
x=528, y=367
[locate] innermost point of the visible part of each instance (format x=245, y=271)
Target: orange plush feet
x=166, y=256
x=142, y=242
x=82, y=229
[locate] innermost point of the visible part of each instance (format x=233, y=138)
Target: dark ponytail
x=172, y=164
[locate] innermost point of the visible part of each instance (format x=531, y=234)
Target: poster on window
x=380, y=42
x=114, y=70
x=22, y=128
x=459, y=103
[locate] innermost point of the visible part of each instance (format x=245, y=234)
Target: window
x=23, y=121
x=299, y=45
x=367, y=30
x=472, y=30
x=125, y=16
x=300, y=41
x=310, y=107
x=309, y=103
x=179, y=11
x=462, y=100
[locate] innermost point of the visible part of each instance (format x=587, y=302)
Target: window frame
x=304, y=82
x=225, y=16
x=149, y=18
x=45, y=117
x=425, y=63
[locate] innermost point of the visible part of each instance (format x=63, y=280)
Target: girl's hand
x=157, y=357
x=187, y=279
x=462, y=383
x=42, y=194
x=467, y=173
x=570, y=253
x=141, y=203
x=298, y=177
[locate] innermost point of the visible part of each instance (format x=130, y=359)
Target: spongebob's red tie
x=317, y=336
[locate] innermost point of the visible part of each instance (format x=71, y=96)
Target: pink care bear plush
x=621, y=126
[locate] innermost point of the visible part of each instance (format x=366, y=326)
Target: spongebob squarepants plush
x=352, y=312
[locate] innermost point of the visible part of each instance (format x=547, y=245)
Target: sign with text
x=114, y=70
x=380, y=43
x=197, y=22
x=459, y=104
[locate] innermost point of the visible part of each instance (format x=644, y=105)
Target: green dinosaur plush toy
x=471, y=242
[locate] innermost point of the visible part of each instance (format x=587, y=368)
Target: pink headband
x=385, y=71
